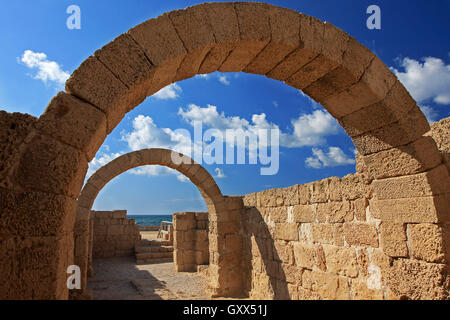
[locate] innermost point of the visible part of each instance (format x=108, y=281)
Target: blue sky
x=38, y=53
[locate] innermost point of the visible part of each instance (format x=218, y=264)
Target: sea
x=150, y=220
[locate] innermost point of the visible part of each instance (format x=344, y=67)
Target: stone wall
x=191, y=245
x=114, y=235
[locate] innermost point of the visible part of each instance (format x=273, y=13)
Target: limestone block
x=433, y=182
x=34, y=214
x=250, y=200
x=360, y=206
x=74, y=122
x=303, y=213
x=393, y=239
x=392, y=108
x=193, y=28
x=255, y=34
x=304, y=193
x=293, y=274
x=283, y=252
x=286, y=231
x=335, y=212
x=322, y=233
x=285, y=26
x=158, y=37
x=361, y=234
x=119, y=214
x=64, y=175
x=374, y=85
x=223, y=21
x=94, y=83
x=278, y=215
x=304, y=294
x=305, y=255
x=416, y=280
x=360, y=291
x=127, y=61
x=413, y=210
x=319, y=191
x=426, y=242
x=412, y=158
x=341, y=260
x=15, y=128
x=327, y=285
x=410, y=128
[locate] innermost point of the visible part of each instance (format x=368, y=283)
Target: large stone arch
x=353, y=84
x=198, y=175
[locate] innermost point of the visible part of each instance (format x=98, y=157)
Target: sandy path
x=122, y=279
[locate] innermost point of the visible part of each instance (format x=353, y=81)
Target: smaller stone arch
x=217, y=205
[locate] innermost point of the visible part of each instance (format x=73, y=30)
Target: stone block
x=305, y=255
x=393, y=239
x=335, y=212
x=74, y=122
x=50, y=166
x=158, y=37
x=341, y=260
x=322, y=233
x=285, y=26
x=416, y=157
x=327, y=285
x=193, y=28
x=433, y=182
x=360, y=291
x=426, y=242
x=286, y=231
x=94, y=83
x=303, y=213
x=127, y=61
x=255, y=34
x=413, y=210
x=361, y=234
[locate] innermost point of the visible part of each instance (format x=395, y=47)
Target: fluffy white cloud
x=333, y=158
x=153, y=171
x=146, y=134
x=308, y=129
x=100, y=160
x=219, y=173
x=426, y=80
x=47, y=70
x=171, y=91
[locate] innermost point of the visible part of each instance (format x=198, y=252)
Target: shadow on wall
x=265, y=258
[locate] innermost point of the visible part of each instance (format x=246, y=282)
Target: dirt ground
x=122, y=279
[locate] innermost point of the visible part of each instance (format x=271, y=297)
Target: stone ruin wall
x=191, y=244
x=327, y=240
x=114, y=235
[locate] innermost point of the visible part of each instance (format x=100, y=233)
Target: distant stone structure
x=190, y=240
x=402, y=181
x=113, y=234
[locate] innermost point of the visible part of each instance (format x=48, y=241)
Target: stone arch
x=198, y=175
x=354, y=85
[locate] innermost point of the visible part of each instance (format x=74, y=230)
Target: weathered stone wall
x=351, y=238
x=191, y=245
x=114, y=234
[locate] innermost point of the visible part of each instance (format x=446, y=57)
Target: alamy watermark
x=232, y=146
x=374, y=20
x=74, y=20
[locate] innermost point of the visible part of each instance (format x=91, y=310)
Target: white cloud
x=217, y=75
x=171, y=91
x=47, y=70
x=155, y=170
x=308, y=129
x=223, y=79
x=430, y=113
x=333, y=158
x=100, y=160
x=219, y=173
x=275, y=104
x=426, y=80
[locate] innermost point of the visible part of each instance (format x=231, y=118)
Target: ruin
x=382, y=233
